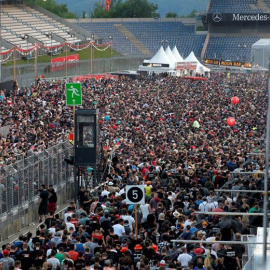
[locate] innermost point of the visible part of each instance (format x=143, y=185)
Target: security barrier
x=20, y=181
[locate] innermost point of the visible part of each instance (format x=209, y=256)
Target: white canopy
x=260, y=53
x=157, y=62
x=160, y=58
x=191, y=58
x=170, y=55
x=177, y=54
x=200, y=68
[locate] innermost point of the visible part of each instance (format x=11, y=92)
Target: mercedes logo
x=217, y=17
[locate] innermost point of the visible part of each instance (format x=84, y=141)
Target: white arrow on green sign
x=73, y=94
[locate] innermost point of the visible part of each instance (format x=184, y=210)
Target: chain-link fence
x=20, y=181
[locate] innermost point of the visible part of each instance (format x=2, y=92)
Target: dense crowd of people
x=168, y=134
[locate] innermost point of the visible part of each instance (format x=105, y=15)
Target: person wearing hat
x=6, y=261
x=137, y=253
x=176, y=214
x=162, y=263
x=125, y=261
x=199, y=257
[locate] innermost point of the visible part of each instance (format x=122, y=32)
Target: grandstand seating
x=233, y=6
x=17, y=21
x=230, y=48
x=267, y=3
x=150, y=34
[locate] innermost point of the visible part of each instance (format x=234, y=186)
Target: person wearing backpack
x=6, y=261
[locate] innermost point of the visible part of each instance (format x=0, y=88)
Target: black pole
x=75, y=183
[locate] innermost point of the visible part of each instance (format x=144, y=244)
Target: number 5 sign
x=135, y=194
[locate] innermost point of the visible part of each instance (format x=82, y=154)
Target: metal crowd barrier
x=19, y=182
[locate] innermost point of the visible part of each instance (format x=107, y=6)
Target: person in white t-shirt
x=55, y=262
x=69, y=213
x=119, y=228
x=146, y=210
x=184, y=258
x=127, y=216
x=105, y=192
x=213, y=205
x=204, y=206
x=189, y=221
x=69, y=224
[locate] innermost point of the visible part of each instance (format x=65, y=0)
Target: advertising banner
x=218, y=17
x=227, y=63
x=59, y=63
x=186, y=65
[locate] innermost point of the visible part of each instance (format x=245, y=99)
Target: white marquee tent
x=260, y=53
x=170, y=55
x=159, y=63
x=200, y=68
x=166, y=61
x=177, y=55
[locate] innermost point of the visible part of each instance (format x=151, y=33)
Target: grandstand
x=149, y=33
x=23, y=26
x=233, y=26
x=230, y=48
x=234, y=6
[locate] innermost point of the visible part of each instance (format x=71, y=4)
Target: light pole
x=266, y=177
x=164, y=42
x=92, y=37
x=243, y=46
x=111, y=52
x=25, y=37
x=1, y=41
x=66, y=59
x=127, y=38
x=73, y=36
x=50, y=36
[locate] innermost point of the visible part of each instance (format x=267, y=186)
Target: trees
x=58, y=9
x=126, y=9
x=171, y=15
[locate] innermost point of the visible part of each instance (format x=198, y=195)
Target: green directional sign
x=73, y=94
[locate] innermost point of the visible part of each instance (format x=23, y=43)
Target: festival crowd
x=167, y=134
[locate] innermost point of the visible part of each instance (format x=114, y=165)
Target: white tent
x=260, y=53
x=159, y=63
x=160, y=58
x=200, y=68
x=191, y=58
x=177, y=54
x=171, y=56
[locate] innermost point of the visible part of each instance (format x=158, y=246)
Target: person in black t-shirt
x=231, y=261
x=151, y=175
x=43, y=202
x=27, y=261
x=80, y=262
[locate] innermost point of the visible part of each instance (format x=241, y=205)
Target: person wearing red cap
x=125, y=262
x=137, y=253
x=6, y=261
